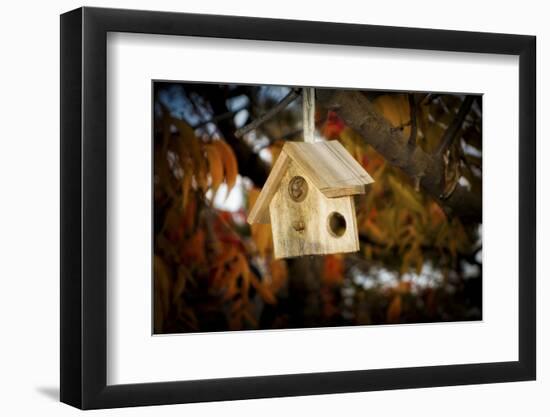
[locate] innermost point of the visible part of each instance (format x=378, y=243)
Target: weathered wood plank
x=330, y=167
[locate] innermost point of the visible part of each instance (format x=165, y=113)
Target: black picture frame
x=84, y=207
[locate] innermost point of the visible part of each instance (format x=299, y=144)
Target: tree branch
x=281, y=105
x=250, y=163
x=456, y=124
x=219, y=118
x=359, y=114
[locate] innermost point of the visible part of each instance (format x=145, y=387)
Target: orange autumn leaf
x=215, y=166
x=262, y=235
x=333, y=271
x=333, y=126
x=185, y=188
x=265, y=293
x=395, y=109
x=192, y=250
x=436, y=213
x=377, y=234
x=173, y=226
x=245, y=272
x=190, y=144
x=228, y=254
x=189, y=216
x=239, y=269
x=404, y=287
x=229, y=160
x=394, y=310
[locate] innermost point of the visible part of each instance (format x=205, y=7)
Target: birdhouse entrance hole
x=336, y=224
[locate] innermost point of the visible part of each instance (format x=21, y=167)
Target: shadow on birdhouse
x=308, y=199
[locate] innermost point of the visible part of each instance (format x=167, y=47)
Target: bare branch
x=250, y=163
x=219, y=118
x=289, y=98
x=454, y=127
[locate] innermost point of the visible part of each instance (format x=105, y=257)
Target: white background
x=305, y=350
x=29, y=226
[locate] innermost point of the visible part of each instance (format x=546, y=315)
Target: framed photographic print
x=257, y=208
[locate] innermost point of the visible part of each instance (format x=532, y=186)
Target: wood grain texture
x=301, y=228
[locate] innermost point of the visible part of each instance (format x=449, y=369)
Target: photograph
x=291, y=207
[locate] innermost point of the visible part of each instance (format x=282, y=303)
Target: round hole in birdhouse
x=336, y=224
x=297, y=188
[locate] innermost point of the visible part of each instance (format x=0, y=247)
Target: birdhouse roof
x=328, y=165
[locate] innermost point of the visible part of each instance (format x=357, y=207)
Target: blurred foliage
x=213, y=272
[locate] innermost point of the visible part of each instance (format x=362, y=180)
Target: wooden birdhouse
x=308, y=199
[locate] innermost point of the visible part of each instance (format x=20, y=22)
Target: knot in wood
x=299, y=225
